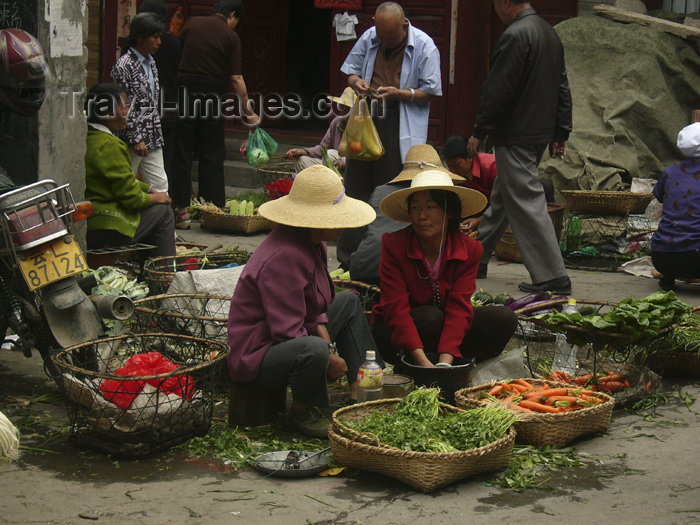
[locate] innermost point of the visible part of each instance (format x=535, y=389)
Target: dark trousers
x=157, y=227
x=492, y=327
x=677, y=265
x=302, y=363
x=361, y=177
x=201, y=131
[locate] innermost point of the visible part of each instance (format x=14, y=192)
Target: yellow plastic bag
x=360, y=140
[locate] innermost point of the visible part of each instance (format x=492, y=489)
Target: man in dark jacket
x=525, y=106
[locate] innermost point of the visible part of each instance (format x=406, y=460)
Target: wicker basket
x=424, y=471
x=237, y=223
x=277, y=170
x=136, y=416
x=606, y=202
x=159, y=271
x=368, y=293
x=197, y=315
x=555, y=430
x=676, y=363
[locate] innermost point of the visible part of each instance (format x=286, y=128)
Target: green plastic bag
x=256, y=152
x=260, y=147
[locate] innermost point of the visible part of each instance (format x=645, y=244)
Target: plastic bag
x=270, y=143
x=360, y=139
x=123, y=393
x=256, y=152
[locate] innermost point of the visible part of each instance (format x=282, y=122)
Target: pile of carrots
x=610, y=382
x=522, y=396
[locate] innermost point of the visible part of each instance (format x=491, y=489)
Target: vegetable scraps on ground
x=420, y=424
x=521, y=396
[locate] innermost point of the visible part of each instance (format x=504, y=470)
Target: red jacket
x=403, y=289
x=484, y=174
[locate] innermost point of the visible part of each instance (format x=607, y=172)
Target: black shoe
x=559, y=286
x=482, y=271
x=667, y=283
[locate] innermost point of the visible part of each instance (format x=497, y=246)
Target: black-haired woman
x=126, y=210
x=136, y=72
x=427, y=273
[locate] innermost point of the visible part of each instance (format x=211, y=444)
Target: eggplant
x=528, y=299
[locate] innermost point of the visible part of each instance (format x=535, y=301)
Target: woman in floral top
x=136, y=73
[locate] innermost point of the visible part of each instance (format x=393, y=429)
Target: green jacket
x=117, y=196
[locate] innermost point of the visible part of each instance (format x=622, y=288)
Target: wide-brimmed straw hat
x=689, y=140
x=347, y=98
x=422, y=157
x=317, y=200
x=395, y=205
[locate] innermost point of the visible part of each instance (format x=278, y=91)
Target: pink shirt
x=283, y=293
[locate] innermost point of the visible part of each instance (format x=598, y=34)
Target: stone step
x=238, y=174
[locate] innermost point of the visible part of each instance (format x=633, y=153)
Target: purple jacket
x=679, y=191
x=330, y=139
x=283, y=293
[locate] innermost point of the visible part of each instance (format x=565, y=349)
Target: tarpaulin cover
x=633, y=90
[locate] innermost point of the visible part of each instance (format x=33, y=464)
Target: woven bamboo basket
x=555, y=430
x=237, y=223
x=159, y=271
x=279, y=169
x=606, y=202
x=424, y=471
x=507, y=248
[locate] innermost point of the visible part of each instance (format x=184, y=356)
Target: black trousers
x=677, y=265
x=361, y=177
x=492, y=327
x=201, y=130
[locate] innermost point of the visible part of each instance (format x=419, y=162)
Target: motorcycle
x=46, y=303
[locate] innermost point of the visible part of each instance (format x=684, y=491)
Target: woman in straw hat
x=428, y=274
x=364, y=262
x=305, y=157
x=286, y=320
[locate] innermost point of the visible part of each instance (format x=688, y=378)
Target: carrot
x=553, y=399
x=559, y=376
x=518, y=408
x=519, y=387
x=538, y=407
x=612, y=376
x=496, y=389
x=582, y=380
x=546, y=392
x=524, y=383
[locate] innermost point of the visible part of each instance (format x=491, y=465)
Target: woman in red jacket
x=427, y=273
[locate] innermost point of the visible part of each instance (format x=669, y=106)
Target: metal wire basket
x=277, y=177
x=139, y=414
x=158, y=272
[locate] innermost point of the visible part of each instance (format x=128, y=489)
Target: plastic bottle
x=369, y=379
x=573, y=234
x=565, y=354
x=177, y=22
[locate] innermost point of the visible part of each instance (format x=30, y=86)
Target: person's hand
x=470, y=225
x=140, y=149
x=296, y=152
x=252, y=119
x=339, y=164
x=337, y=367
x=361, y=86
x=388, y=93
x=159, y=197
x=473, y=146
x=557, y=149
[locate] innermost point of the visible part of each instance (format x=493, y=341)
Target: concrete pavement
x=643, y=470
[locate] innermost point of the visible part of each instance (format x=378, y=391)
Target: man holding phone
x=397, y=66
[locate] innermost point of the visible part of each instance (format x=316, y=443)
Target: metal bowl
x=273, y=463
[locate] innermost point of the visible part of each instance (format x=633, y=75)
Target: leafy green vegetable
x=639, y=319
x=419, y=424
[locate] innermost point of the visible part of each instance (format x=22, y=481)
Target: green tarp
x=633, y=90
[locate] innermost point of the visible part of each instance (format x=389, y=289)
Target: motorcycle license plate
x=51, y=262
